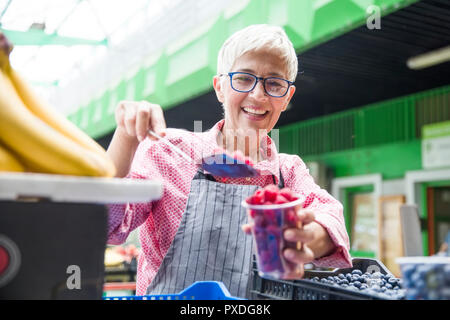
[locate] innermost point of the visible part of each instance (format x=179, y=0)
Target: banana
x=8, y=162
x=53, y=118
x=40, y=146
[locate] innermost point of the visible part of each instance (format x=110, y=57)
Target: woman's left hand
x=304, y=235
x=300, y=252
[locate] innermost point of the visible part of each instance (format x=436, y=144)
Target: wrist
x=121, y=150
x=322, y=245
x=126, y=140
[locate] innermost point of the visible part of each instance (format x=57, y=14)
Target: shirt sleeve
x=124, y=218
x=328, y=212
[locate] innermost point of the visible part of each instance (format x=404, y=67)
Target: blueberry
x=356, y=278
x=422, y=270
x=388, y=286
x=447, y=272
x=376, y=288
x=387, y=276
x=336, y=279
x=323, y=280
x=415, y=277
x=412, y=294
x=341, y=276
x=357, y=284
x=330, y=278
x=420, y=284
x=345, y=282
x=408, y=270
x=377, y=275
x=393, y=281
x=344, y=285
x=357, y=272
x=377, y=282
x=315, y=279
x=363, y=286
x=433, y=295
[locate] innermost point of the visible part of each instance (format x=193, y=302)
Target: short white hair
x=254, y=38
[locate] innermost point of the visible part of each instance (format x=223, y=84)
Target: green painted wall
x=383, y=137
x=390, y=160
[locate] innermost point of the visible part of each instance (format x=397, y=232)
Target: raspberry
x=280, y=199
x=290, y=217
x=249, y=161
x=286, y=193
x=270, y=193
x=253, y=213
x=270, y=217
x=257, y=198
x=260, y=222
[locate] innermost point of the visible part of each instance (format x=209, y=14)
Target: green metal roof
x=39, y=37
x=185, y=68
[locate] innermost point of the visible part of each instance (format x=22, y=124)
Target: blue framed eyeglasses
x=246, y=82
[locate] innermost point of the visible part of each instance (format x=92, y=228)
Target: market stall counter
x=53, y=232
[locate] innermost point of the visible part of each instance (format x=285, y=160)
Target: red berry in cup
x=286, y=193
x=291, y=217
x=280, y=199
x=268, y=226
x=270, y=193
x=260, y=221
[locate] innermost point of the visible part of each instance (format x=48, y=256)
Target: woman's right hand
x=5, y=45
x=135, y=118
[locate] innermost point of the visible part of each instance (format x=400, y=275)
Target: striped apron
x=209, y=243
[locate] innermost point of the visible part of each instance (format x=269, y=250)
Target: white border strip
x=414, y=177
x=372, y=179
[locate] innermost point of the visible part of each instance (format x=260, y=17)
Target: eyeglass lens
x=246, y=82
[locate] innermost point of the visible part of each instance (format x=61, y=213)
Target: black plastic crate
x=305, y=289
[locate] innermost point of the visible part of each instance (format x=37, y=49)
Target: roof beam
x=4, y=10
x=40, y=38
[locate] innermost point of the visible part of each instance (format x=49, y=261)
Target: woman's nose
x=258, y=91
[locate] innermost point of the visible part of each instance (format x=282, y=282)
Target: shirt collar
x=270, y=165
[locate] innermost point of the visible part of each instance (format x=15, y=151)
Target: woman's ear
x=217, y=84
x=289, y=97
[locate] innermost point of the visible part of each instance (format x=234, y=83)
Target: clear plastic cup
x=268, y=225
x=426, y=278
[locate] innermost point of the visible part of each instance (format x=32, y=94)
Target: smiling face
x=255, y=109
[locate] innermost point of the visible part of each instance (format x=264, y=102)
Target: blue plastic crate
x=200, y=290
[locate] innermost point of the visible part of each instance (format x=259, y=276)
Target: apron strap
x=281, y=184
x=201, y=175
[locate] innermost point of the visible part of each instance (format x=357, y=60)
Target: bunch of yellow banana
x=9, y=162
x=37, y=138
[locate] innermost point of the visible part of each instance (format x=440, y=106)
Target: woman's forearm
x=121, y=150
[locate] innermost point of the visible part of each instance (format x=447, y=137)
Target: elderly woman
x=193, y=232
